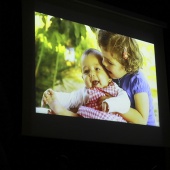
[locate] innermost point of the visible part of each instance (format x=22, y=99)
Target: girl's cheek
x=110, y=69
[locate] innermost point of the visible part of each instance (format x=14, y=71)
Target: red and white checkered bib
x=91, y=108
x=96, y=93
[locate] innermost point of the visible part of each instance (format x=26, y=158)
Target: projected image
x=83, y=71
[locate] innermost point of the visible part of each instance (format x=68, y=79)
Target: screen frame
x=41, y=125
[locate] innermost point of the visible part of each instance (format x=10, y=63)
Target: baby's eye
x=86, y=71
x=97, y=69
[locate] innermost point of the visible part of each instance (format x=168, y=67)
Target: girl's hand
x=51, y=112
x=103, y=105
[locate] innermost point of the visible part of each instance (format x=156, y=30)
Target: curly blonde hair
x=126, y=48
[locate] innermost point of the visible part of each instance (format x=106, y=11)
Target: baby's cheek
x=88, y=83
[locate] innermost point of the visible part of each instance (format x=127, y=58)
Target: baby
x=101, y=98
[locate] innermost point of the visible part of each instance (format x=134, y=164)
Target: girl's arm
x=120, y=103
x=140, y=114
x=64, y=112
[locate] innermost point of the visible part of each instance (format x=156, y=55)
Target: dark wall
x=19, y=152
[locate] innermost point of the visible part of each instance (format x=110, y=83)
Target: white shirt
x=120, y=103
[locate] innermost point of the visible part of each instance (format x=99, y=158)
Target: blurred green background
x=59, y=44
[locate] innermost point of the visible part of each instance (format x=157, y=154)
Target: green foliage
x=52, y=37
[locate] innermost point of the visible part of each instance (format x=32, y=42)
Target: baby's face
x=93, y=72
